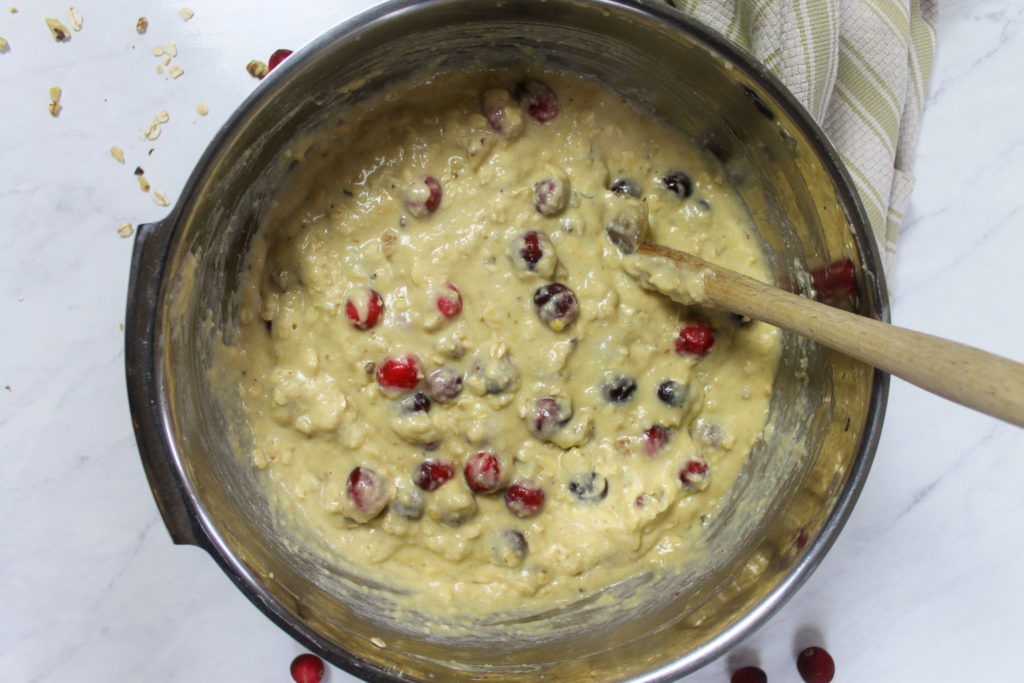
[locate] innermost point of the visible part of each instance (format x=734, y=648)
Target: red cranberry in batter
x=524, y=499
x=363, y=308
x=483, y=472
x=539, y=100
x=449, y=301
x=432, y=474
x=696, y=339
x=401, y=373
x=423, y=197
x=367, y=491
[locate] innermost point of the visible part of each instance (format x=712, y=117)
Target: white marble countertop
x=924, y=584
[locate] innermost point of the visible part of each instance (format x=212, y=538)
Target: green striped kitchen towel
x=861, y=68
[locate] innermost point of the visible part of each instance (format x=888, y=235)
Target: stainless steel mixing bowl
x=790, y=501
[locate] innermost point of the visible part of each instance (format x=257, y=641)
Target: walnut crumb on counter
x=202, y=109
x=174, y=71
x=58, y=30
x=143, y=183
x=141, y=25
x=55, y=105
x=256, y=69
x=4, y=45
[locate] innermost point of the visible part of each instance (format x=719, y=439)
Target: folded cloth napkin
x=861, y=68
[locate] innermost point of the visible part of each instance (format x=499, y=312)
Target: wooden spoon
x=969, y=376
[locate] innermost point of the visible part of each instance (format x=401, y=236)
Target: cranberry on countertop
x=815, y=665
x=749, y=674
x=307, y=668
x=276, y=58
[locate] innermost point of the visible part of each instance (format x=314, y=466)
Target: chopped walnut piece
x=160, y=199
x=143, y=183
x=186, y=13
x=256, y=69
x=162, y=116
x=158, y=51
x=152, y=131
x=202, y=109
x=171, y=49
x=76, y=18
x=117, y=153
x=175, y=71
x=59, y=31
x=141, y=25
x=159, y=68
x=3, y=44
x=55, y=101
x=125, y=230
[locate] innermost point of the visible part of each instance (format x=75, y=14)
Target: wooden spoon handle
x=961, y=373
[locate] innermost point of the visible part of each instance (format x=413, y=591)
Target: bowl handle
x=152, y=241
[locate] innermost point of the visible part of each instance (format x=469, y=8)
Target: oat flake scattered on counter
x=256, y=68
x=117, y=153
x=160, y=198
x=58, y=30
x=445, y=371
x=186, y=13
x=202, y=109
x=125, y=230
x=76, y=18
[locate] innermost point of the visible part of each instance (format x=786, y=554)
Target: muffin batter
x=449, y=377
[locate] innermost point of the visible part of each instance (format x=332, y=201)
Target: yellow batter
x=449, y=377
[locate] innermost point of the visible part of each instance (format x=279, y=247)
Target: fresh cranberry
x=550, y=196
x=625, y=186
x=589, y=488
x=363, y=308
x=307, y=668
x=815, y=665
x=444, y=384
x=423, y=197
x=539, y=101
x=678, y=183
x=503, y=116
x=399, y=373
x=672, y=393
x=694, y=473
x=417, y=403
x=367, y=491
x=524, y=499
x=483, y=472
x=549, y=416
x=618, y=389
x=556, y=305
x=695, y=339
x=655, y=437
x=837, y=280
x=533, y=251
x=508, y=547
x=449, y=302
x=749, y=674
x=431, y=474
x=276, y=58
